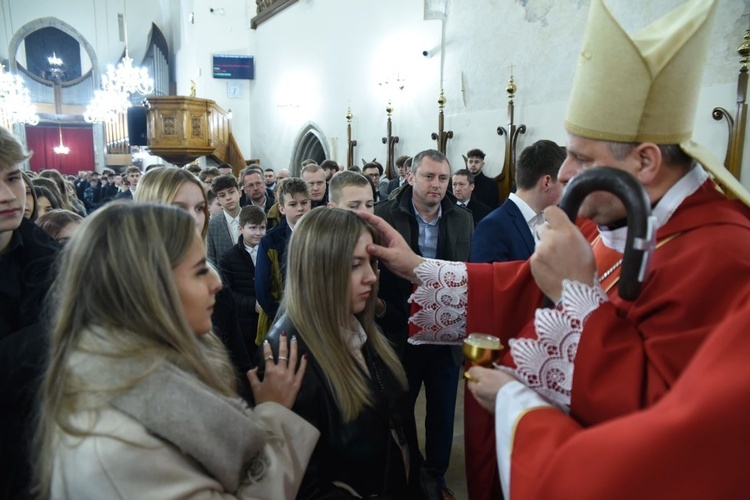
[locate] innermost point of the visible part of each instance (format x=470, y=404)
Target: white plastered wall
x=319, y=56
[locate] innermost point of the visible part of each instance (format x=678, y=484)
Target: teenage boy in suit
x=237, y=267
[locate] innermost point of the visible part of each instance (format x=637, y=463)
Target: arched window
x=311, y=143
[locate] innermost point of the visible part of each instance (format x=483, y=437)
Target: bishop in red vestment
x=597, y=357
x=690, y=444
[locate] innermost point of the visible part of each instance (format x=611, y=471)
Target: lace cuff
x=440, y=317
x=546, y=363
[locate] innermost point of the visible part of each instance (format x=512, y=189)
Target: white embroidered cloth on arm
x=442, y=298
x=546, y=363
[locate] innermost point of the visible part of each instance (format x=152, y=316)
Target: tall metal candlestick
x=391, y=140
x=737, y=124
x=507, y=177
x=442, y=136
x=351, y=144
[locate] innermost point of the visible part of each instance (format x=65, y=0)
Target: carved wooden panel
x=182, y=134
x=169, y=125
x=196, y=126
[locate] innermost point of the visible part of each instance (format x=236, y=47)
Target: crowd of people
x=209, y=331
x=360, y=363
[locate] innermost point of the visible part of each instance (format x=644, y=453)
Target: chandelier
x=106, y=106
x=15, y=102
x=55, y=72
x=126, y=78
x=117, y=86
x=53, y=60
x=61, y=149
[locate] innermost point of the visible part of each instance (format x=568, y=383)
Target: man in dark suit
x=507, y=234
x=463, y=185
x=374, y=171
x=224, y=229
x=132, y=176
x=424, y=213
x=485, y=188
x=254, y=190
x=403, y=165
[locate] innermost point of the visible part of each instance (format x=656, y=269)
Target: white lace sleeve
x=546, y=363
x=442, y=297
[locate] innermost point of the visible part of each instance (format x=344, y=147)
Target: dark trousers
x=435, y=366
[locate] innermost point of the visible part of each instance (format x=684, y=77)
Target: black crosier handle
x=641, y=225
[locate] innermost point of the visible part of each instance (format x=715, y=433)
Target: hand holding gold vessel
x=481, y=349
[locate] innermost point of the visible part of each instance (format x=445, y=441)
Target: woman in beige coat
x=138, y=398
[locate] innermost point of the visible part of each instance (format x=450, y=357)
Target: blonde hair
x=162, y=184
x=12, y=151
x=316, y=298
x=134, y=314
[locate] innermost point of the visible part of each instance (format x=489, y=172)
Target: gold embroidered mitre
x=645, y=88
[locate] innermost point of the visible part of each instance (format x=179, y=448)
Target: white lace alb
x=442, y=298
x=546, y=363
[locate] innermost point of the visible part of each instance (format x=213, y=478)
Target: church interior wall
x=318, y=57
x=340, y=64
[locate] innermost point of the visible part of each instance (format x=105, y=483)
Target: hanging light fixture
x=53, y=60
x=15, y=102
x=126, y=78
x=62, y=149
x=117, y=85
x=55, y=72
x=106, y=106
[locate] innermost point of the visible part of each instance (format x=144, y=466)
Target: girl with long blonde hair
x=138, y=398
x=179, y=187
x=355, y=390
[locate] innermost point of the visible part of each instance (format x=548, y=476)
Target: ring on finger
x=284, y=358
x=269, y=357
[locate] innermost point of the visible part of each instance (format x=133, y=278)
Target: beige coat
x=126, y=461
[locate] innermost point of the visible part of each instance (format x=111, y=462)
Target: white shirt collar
x=355, y=338
x=527, y=212
x=262, y=205
x=672, y=199
x=230, y=219
x=434, y=222
x=253, y=251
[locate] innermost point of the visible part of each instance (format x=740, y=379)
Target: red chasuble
x=691, y=444
x=630, y=353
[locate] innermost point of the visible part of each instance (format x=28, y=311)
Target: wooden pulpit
x=181, y=128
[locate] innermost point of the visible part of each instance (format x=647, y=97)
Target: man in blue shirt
x=427, y=217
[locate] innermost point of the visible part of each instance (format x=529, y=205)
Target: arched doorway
x=310, y=143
